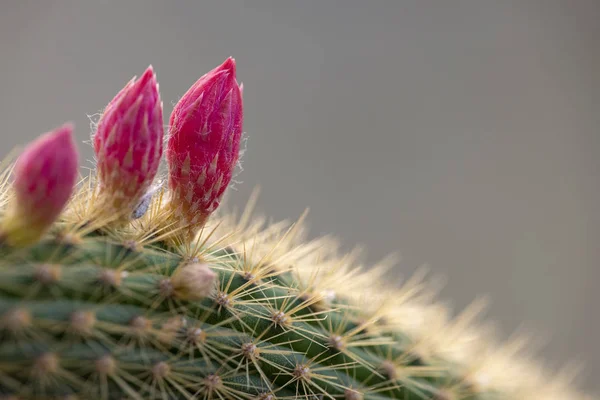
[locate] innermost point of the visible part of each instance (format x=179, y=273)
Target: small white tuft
x=193, y=281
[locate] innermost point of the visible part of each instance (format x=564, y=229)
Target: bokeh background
x=462, y=134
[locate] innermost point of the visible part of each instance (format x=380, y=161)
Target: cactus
x=127, y=289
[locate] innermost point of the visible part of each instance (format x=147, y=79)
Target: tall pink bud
x=129, y=144
x=44, y=178
x=203, y=147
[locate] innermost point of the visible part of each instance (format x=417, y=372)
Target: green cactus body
x=94, y=311
x=97, y=305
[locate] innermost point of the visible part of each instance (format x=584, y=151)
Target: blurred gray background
x=462, y=134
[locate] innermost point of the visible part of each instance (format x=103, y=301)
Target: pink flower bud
x=44, y=178
x=128, y=143
x=203, y=147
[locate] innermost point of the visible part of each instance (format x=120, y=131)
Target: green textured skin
x=283, y=349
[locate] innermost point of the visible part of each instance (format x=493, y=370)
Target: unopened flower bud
x=44, y=178
x=128, y=144
x=203, y=147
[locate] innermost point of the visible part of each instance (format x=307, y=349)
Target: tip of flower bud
x=44, y=179
x=55, y=139
x=229, y=65
x=63, y=135
x=147, y=77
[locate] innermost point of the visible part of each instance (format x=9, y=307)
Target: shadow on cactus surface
x=117, y=287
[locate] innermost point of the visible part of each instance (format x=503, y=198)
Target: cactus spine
x=157, y=296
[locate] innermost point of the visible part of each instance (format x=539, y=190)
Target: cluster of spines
x=130, y=296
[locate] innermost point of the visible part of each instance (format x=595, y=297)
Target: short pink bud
x=128, y=144
x=44, y=178
x=204, y=141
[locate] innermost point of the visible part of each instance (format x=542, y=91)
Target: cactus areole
x=117, y=287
